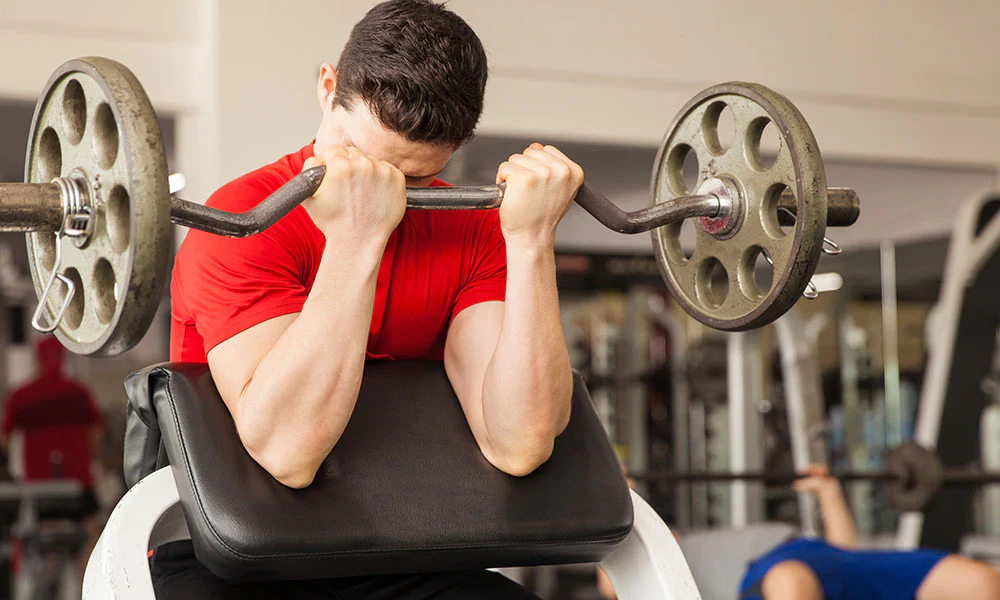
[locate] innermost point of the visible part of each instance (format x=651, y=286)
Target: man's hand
x=541, y=183
x=837, y=521
x=817, y=481
x=361, y=199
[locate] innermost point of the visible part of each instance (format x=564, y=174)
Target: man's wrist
x=830, y=491
x=345, y=242
x=529, y=245
x=364, y=256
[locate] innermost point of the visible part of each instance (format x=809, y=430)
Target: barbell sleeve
x=843, y=207
x=30, y=207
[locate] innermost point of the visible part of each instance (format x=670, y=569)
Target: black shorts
x=177, y=574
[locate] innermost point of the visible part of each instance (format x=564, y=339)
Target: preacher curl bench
x=406, y=489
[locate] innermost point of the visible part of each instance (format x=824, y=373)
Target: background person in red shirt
x=286, y=319
x=59, y=428
x=58, y=423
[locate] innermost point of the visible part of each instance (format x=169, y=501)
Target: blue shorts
x=848, y=574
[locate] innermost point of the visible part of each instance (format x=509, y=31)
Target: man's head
x=408, y=87
x=50, y=355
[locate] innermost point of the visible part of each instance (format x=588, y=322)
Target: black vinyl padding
x=406, y=488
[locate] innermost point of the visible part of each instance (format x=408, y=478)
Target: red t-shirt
x=436, y=263
x=55, y=416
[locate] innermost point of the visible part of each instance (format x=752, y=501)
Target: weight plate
x=920, y=475
x=94, y=119
x=717, y=284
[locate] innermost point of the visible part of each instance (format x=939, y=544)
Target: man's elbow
x=536, y=447
x=525, y=461
x=290, y=474
x=295, y=471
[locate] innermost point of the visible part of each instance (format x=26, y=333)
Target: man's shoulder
x=249, y=189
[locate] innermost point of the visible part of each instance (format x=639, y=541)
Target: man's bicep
x=234, y=361
x=469, y=347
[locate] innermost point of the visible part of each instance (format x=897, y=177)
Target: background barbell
x=97, y=207
x=912, y=474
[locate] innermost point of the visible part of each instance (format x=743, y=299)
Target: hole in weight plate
x=118, y=218
x=719, y=127
x=105, y=136
x=778, y=221
x=687, y=237
x=682, y=169
x=74, y=314
x=49, y=156
x=74, y=113
x=105, y=290
x=760, y=273
x=679, y=239
x=763, y=144
x=712, y=283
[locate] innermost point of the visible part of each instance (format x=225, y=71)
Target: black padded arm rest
x=406, y=489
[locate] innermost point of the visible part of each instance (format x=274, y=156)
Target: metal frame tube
x=745, y=370
x=681, y=403
x=804, y=401
x=965, y=257
x=145, y=517
x=890, y=347
x=649, y=565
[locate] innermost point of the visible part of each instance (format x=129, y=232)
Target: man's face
x=357, y=127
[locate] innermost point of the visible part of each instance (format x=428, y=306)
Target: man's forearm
x=528, y=384
x=838, y=524
x=301, y=396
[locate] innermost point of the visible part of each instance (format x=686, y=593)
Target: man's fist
x=361, y=199
x=541, y=183
x=817, y=480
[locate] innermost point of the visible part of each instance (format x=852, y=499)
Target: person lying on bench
x=833, y=568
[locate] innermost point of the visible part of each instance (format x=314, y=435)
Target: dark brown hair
x=419, y=68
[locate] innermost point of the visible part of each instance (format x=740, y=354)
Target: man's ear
x=326, y=86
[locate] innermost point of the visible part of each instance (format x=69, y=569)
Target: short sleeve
x=93, y=416
x=228, y=285
x=487, y=264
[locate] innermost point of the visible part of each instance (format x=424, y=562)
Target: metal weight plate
x=717, y=283
x=94, y=120
x=920, y=472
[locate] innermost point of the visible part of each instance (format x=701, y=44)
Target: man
x=829, y=569
x=287, y=318
x=834, y=569
x=60, y=428
x=58, y=423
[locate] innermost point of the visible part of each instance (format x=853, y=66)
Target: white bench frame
x=649, y=565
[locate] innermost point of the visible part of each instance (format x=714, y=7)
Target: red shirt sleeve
x=487, y=264
x=231, y=284
x=93, y=415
